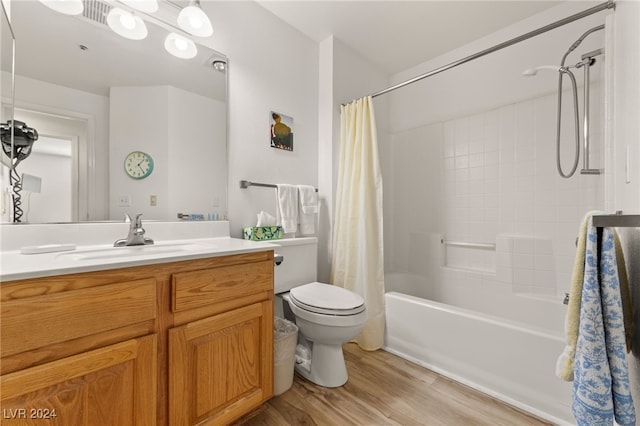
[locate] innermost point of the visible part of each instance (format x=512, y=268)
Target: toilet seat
x=326, y=304
x=327, y=299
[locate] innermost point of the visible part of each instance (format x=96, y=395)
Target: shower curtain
x=358, y=257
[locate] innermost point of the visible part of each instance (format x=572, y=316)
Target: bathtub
x=509, y=359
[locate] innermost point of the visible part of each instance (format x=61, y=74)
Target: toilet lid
x=327, y=299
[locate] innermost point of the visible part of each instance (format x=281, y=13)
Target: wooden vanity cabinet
x=114, y=385
x=221, y=350
x=176, y=343
x=79, y=350
x=219, y=365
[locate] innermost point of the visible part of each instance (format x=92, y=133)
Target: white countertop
x=88, y=258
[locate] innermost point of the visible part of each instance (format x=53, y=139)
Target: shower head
x=534, y=71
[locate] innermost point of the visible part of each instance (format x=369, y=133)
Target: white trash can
x=285, y=339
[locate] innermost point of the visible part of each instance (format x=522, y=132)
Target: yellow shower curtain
x=358, y=257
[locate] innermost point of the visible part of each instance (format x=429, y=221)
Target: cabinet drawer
x=35, y=322
x=204, y=287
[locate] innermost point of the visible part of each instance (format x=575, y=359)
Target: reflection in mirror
x=94, y=97
x=7, y=46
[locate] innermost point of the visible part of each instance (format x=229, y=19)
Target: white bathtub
x=510, y=360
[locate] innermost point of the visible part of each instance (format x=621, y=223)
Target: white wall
x=53, y=202
x=327, y=147
x=139, y=119
x=197, y=149
x=272, y=67
x=176, y=129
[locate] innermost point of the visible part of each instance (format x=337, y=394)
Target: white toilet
x=327, y=316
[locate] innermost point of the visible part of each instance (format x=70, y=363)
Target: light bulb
x=127, y=21
x=126, y=24
x=193, y=20
x=181, y=44
x=180, y=47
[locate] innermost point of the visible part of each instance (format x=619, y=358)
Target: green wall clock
x=138, y=164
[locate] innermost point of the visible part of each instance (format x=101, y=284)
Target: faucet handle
x=137, y=223
x=127, y=218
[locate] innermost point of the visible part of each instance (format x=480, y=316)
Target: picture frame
x=281, y=131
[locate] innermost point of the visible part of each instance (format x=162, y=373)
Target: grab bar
x=483, y=246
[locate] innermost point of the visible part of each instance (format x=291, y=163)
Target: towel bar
x=245, y=184
x=617, y=220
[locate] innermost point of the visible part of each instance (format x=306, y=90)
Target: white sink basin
x=128, y=252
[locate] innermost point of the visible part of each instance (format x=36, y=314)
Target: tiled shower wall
x=500, y=179
x=491, y=178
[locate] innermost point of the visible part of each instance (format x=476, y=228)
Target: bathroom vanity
x=175, y=339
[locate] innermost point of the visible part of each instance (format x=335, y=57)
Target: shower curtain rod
x=609, y=4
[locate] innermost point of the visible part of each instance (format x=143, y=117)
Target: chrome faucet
x=136, y=234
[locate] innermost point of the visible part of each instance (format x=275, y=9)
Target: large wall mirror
x=94, y=98
x=7, y=43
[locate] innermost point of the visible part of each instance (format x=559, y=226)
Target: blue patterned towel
x=601, y=384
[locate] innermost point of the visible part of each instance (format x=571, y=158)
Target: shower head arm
x=579, y=40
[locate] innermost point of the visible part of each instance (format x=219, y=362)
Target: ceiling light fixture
x=126, y=24
x=147, y=6
x=193, y=20
x=68, y=7
x=180, y=46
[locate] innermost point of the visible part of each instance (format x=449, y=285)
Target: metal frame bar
x=617, y=220
x=483, y=246
x=244, y=184
x=609, y=4
x=586, y=151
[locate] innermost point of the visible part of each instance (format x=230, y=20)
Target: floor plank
x=384, y=389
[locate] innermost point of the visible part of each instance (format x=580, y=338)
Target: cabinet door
x=114, y=385
x=221, y=367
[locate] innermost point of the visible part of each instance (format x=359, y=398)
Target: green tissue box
x=263, y=233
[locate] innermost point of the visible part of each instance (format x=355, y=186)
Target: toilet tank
x=300, y=263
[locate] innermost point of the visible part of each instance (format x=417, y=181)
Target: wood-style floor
x=384, y=389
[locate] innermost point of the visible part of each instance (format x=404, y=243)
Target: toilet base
x=327, y=366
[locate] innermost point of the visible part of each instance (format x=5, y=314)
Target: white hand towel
x=308, y=209
x=287, y=197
